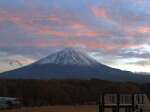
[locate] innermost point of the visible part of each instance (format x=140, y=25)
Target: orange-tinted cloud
x=53, y=18
x=50, y=32
x=38, y=43
x=144, y=29
x=20, y=20
x=74, y=33
x=135, y=31
x=101, y=12
x=69, y=28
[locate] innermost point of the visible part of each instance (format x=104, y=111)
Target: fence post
x=132, y=102
x=118, y=102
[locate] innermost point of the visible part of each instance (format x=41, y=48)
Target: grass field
x=82, y=108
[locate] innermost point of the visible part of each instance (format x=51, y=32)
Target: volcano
x=70, y=63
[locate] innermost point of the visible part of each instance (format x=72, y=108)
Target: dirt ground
x=82, y=108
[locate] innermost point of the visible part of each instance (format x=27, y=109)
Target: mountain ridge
x=71, y=64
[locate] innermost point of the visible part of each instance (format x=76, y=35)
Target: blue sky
x=115, y=32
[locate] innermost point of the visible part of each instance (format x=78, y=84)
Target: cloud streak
x=112, y=27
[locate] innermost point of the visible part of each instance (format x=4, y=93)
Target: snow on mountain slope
x=71, y=64
x=69, y=56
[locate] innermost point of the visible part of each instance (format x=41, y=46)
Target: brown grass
x=82, y=108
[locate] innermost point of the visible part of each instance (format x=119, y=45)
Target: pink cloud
x=20, y=20
x=99, y=45
x=78, y=32
x=53, y=18
x=100, y=12
x=44, y=43
x=51, y=32
x=135, y=31
x=77, y=25
x=144, y=29
x=70, y=26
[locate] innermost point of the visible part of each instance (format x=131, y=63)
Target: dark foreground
x=82, y=108
x=64, y=92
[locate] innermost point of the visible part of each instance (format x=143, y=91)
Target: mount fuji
x=71, y=63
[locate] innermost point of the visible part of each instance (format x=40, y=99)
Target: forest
x=64, y=92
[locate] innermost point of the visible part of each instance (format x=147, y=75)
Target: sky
x=115, y=32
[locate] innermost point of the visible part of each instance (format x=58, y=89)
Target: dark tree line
x=51, y=92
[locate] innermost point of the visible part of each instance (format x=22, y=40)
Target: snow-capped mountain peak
x=69, y=56
x=71, y=64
